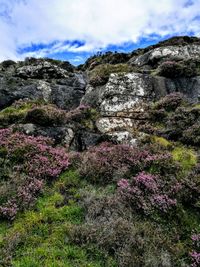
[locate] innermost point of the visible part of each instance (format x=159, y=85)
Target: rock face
x=41, y=80
x=122, y=102
x=169, y=52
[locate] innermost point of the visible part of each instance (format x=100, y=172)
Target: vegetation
x=173, y=69
x=100, y=74
x=112, y=205
x=173, y=118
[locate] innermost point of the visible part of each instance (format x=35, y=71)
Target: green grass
x=100, y=74
x=161, y=141
x=16, y=113
x=186, y=157
x=40, y=237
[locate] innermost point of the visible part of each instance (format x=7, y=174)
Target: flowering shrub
x=149, y=192
x=191, y=135
x=40, y=113
x=173, y=69
x=180, y=125
x=46, y=115
x=50, y=115
x=32, y=160
x=175, y=119
x=107, y=162
x=195, y=254
x=81, y=112
x=170, y=102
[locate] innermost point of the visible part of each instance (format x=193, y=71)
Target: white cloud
x=98, y=23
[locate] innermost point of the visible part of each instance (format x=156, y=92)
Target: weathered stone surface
x=110, y=124
x=57, y=133
x=44, y=81
x=43, y=70
x=169, y=52
x=67, y=93
x=126, y=137
x=190, y=87
x=122, y=92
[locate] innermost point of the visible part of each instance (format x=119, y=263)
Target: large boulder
x=42, y=81
x=124, y=101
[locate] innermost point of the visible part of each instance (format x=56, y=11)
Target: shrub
x=16, y=112
x=29, y=161
x=195, y=254
x=161, y=141
x=7, y=63
x=170, y=102
x=108, y=162
x=100, y=75
x=47, y=115
x=147, y=193
x=173, y=118
x=132, y=244
x=106, y=58
x=191, y=135
x=173, y=69
x=41, y=236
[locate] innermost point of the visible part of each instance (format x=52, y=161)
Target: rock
x=123, y=137
x=110, y=124
x=190, y=87
x=43, y=70
x=42, y=81
x=170, y=52
x=69, y=136
x=57, y=133
x=67, y=93
x=46, y=90
x=12, y=89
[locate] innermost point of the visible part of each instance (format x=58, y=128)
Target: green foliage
x=163, y=142
x=82, y=220
x=186, y=157
x=173, y=69
x=100, y=74
x=41, y=237
x=15, y=113
x=90, y=118
x=46, y=115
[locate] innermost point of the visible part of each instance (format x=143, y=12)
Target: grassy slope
x=40, y=237
x=44, y=236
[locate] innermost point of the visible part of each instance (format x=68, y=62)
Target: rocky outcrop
x=169, y=53
x=42, y=81
x=122, y=98
x=123, y=102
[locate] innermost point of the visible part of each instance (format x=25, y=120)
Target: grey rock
x=45, y=81
x=169, y=52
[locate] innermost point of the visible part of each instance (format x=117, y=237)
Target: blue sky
x=76, y=29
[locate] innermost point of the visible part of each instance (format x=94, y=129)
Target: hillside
x=99, y=164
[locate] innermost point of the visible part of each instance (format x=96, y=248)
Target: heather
x=174, y=118
x=85, y=199
x=106, y=162
x=27, y=162
x=115, y=205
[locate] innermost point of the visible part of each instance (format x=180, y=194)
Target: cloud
x=54, y=25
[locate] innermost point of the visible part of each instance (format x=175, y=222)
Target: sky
x=73, y=30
